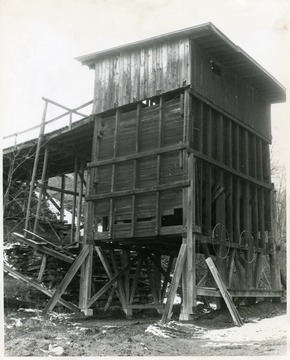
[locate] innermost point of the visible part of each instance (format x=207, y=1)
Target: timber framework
x=173, y=166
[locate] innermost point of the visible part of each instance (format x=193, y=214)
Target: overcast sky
x=40, y=38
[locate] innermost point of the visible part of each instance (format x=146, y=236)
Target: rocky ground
x=29, y=333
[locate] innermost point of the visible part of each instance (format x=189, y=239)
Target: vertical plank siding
x=218, y=138
x=149, y=127
x=139, y=74
x=230, y=92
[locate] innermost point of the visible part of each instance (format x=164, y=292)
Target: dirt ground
x=29, y=333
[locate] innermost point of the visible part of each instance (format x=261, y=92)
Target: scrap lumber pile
x=27, y=258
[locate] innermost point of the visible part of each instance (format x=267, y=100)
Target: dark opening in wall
x=172, y=220
x=216, y=68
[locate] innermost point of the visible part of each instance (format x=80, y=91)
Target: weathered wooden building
x=179, y=164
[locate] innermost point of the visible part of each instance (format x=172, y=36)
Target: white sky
x=40, y=38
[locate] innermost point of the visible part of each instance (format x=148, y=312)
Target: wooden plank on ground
x=225, y=294
x=32, y=283
x=174, y=283
x=165, y=283
x=45, y=250
x=67, y=279
x=42, y=268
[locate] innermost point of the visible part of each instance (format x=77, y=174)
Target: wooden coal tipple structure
x=179, y=166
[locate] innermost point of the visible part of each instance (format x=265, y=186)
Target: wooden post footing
x=185, y=317
x=87, y=312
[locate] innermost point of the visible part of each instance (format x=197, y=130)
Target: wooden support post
x=73, y=215
x=42, y=268
x=262, y=239
x=86, y=268
x=112, y=281
x=108, y=271
x=247, y=214
x=166, y=278
x=229, y=143
x=120, y=283
x=34, y=172
x=274, y=263
x=201, y=127
x=221, y=219
x=208, y=213
x=135, y=280
x=110, y=298
x=86, y=278
x=66, y=280
x=41, y=192
x=174, y=284
x=209, y=133
x=126, y=260
x=79, y=206
x=237, y=213
x=62, y=197
x=158, y=164
x=189, y=272
x=151, y=282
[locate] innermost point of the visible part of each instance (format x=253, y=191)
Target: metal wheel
x=247, y=247
x=220, y=241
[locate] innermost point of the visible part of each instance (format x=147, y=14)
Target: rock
x=58, y=350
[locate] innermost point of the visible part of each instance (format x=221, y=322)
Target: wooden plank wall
x=138, y=151
x=233, y=162
x=141, y=73
x=230, y=92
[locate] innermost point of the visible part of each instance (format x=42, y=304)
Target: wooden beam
x=34, y=172
x=135, y=280
x=166, y=278
x=110, y=298
x=32, y=283
x=86, y=279
x=45, y=250
x=139, y=155
x=59, y=247
x=151, y=282
x=161, y=187
x=189, y=272
x=120, y=283
x=174, y=284
x=112, y=281
x=40, y=195
x=62, y=197
x=72, y=229
x=42, y=268
x=159, y=267
x=67, y=279
x=79, y=206
x=226, y=296
x=231, y=170
x=52, y=188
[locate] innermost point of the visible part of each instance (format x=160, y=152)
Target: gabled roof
x=213, y=41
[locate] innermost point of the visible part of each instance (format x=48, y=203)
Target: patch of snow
x=267, y=329
x=177, y=300
x=157, y=331
x=67, y=215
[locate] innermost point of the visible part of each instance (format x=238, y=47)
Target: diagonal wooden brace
x=67, y=279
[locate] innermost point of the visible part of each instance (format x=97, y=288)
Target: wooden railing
x=69, y=113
